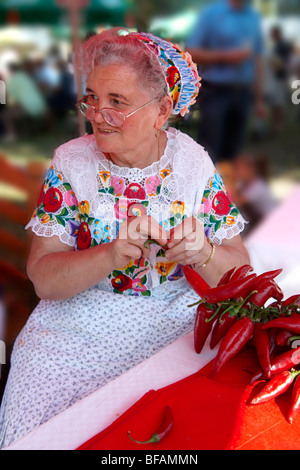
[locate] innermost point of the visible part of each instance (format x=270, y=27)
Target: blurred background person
x=26, y=107
x=252, y=192
x=227, y=44
x=63, y=97
x=279, y=67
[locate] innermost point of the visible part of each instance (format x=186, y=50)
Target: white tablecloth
x=275, y=244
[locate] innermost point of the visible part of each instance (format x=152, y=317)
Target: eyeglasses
x=111, y=116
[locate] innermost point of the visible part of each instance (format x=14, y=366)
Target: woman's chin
x=106, y=142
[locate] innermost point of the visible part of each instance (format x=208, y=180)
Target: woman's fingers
x=145, y=227
x=190, y=229
x=186, y=242
x=185, y=257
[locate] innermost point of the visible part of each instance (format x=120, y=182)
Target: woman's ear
x=165, y=108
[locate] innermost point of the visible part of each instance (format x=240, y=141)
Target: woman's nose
x=98, y=116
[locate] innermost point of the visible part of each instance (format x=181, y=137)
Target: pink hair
x=109, y=47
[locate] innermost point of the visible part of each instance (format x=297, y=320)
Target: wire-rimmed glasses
x=111, y=116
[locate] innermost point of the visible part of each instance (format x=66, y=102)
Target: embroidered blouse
x=85, y=198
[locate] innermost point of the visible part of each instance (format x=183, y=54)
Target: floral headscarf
x=179, y=69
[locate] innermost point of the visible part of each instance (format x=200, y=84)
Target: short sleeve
x=221, y=217
x=57, y=209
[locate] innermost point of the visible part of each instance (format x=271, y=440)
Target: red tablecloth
x=208, y=414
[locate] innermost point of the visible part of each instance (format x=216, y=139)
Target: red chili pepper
x=196, y=281
x=268, y=275
x=291, y=323
x=202, y=326
x=226, y=277
x=232, y=290
x=262, y=345
x=266, y=290
x=221, y=327
x=280, y=363
x=273, y=345
x=257, y=376
x=241, y=272
x=294, y=299
x=164, y=428
x=285, y=361
x=275, y=387
x=295, y=401
x=283, y=336
x=235, y=339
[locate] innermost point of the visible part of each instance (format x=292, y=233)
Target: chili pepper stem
x=293, y=338
x=151, y=242
x=236, y=309
x=214, y=315
x=294, y=373
x=154, y=438
x=223, y=313
x=201, y=301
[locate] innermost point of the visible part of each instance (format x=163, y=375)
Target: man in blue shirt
x=227, y=45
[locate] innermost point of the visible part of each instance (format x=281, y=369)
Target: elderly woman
x=108, y=300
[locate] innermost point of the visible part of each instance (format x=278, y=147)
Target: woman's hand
x=131, y=238
x=187, y=243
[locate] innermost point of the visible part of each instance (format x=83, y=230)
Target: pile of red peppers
x=246, y=309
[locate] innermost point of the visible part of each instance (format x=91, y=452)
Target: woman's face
x=116, y=86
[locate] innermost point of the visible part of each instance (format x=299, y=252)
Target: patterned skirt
x=70, y=348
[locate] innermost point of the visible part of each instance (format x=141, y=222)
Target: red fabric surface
x=209, y=414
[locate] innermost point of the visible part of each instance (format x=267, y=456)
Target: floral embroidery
x=152, y=185
x=173, y=76
x=70, y=199
x=114, y=229
x=138, y=286
x=58, y=202
x=164, y=268
x=84, y=238
x=216, y=208
x=121, y=282
x=74, y=227
x=40, y=199
x=45, y=219
x=53, y=200
x=121, y=209
x=230, y=220
x=175, y=94
x=137, y=209
x=53, y=179
x=132, y=278
x=177, y=274
x=104, y=175
x=135, y=191
x=221, y=203
x=165, y=172
x=84, y=207
x=101, y=231
x=118, y=185
x=217, y=183
x=177, y=207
